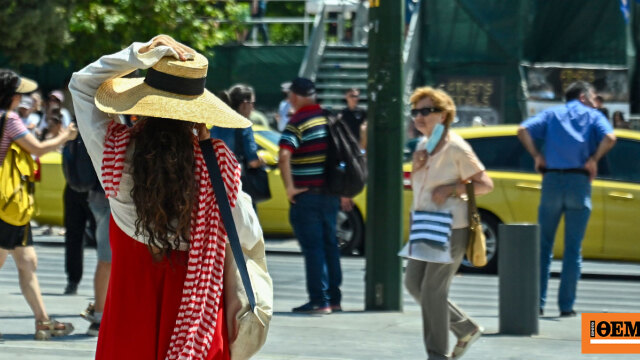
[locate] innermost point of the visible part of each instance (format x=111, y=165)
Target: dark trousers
x=313, y=218
x=76, y=215
x=262, y=28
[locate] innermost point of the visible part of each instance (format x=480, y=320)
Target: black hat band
x=174, y=84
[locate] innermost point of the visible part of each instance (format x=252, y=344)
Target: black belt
x=568, y=171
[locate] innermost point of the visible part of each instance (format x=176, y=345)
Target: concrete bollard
x=519, y=273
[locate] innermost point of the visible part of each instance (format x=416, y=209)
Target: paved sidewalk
x=353, y=334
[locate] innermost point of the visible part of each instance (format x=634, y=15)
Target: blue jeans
x=313, y=218
x=101, y=211
x=568, y=194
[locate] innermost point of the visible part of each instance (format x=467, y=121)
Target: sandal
x=89, y=313
x=464, y=343
x=45, y=330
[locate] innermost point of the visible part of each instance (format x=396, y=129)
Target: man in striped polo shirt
x=312, y=213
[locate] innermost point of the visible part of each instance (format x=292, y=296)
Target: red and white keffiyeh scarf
x=196, y=321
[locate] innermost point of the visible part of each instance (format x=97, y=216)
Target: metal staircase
x=337, y=68
x=342, y=68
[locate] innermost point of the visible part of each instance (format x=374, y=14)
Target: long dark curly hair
x=164, y=188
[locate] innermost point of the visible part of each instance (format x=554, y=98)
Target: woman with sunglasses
x=240, y=98
x=442, y=164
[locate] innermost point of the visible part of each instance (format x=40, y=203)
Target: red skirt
x=142, y=304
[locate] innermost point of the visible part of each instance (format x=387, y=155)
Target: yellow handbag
x=16, y=184
x=477, y=245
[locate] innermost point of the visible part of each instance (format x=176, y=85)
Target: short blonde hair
x=440, y=99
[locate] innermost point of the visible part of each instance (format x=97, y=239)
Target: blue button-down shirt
x=247, y=149
x=571, y=133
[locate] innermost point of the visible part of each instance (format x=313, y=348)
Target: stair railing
x=361, y=26
x=315, y=48
x=410, y=56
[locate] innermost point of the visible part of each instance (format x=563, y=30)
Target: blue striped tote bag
x=429, y=237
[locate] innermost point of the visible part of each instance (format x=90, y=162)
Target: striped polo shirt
x=306, y=137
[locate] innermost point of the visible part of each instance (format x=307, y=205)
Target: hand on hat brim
x=182, y=51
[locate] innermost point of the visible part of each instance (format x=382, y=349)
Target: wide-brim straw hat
x=26, y=86
x=172, y=89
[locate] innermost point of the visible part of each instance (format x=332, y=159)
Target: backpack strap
x=227, y=218
x=2, y=121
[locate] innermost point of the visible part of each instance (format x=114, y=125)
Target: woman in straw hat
x=17, y=240
x=164, y=213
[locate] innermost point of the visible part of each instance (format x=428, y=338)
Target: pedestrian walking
x=442, y=164
x=164, y=213
x=18, y=240
x=258, y=9
x=284, y=108
x=312, y=212
x=576, y=136
x=354, y=115
x=84, y=187
x=241, y=98
x=78, y=219
x=99, y=205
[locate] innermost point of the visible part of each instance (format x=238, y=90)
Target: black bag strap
x=2, y=121
x=239, y=147
x=227, y=218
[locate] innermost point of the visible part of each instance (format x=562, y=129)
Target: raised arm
x=39, y=148
x=85, y=83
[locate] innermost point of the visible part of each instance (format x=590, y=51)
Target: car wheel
x=350, y=231
x=490, y=227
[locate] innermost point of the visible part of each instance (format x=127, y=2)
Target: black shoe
x=335, y=308
x=567, y=313
x=71, y=289
x=94, y=329
x=310, y=308
x=541, y=311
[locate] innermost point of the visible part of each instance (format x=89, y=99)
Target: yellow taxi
x=612, y=232
x=613, y=226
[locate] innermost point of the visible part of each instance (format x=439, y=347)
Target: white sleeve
x=246, y=220
x=84, y=84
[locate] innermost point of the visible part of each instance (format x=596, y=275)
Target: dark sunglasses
x=424, y=111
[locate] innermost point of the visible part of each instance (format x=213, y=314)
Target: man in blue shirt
x=575, y=138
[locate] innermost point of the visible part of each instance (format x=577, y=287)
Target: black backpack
x=346, y=164
x=77, y=166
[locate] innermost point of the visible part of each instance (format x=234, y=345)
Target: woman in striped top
x=17, y=240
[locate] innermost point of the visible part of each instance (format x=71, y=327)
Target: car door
x=622, y=201
x=511, y=169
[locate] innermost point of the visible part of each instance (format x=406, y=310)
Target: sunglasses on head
x=424, y=111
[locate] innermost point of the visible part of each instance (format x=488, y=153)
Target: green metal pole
x=384, y=154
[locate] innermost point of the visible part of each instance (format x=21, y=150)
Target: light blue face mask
x=435, y=137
